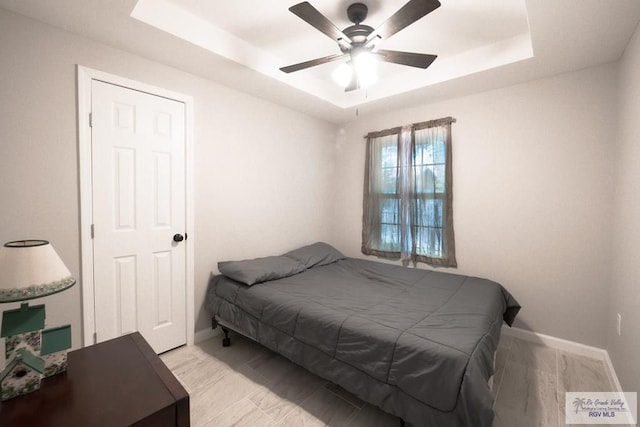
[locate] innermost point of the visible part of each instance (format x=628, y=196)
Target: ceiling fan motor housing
x=358, y=33
x=357, y=12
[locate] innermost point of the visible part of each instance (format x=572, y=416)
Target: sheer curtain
x=381, y=210
x=408, y=194
x=431, y=219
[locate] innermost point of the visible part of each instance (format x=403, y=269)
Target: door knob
x=178, y=237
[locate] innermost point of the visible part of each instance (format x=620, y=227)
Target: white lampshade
x=31, y=269
x=343, y=74
x=363, y=67
x=366, y=68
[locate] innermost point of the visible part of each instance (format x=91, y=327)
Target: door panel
x=124, y=296
x=124, y=185
x=138, y=155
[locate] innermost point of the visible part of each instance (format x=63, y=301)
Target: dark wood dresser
x=120, y=382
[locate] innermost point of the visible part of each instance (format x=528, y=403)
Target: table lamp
x=31, y=269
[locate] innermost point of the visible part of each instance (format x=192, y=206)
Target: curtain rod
x=435, y=122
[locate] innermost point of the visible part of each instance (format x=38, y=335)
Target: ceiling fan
x=359, y=43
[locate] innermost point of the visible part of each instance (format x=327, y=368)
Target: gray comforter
x=417, y=343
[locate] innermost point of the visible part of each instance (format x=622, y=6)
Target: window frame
x=407, y=227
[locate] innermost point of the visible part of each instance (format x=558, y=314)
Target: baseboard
x=568, y=346
x=612, y=372
x=206, y=334
x=557, y=343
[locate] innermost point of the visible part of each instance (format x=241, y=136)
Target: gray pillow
x=258, y=270
x=315, y=255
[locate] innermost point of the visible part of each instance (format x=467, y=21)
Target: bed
x=417, y=343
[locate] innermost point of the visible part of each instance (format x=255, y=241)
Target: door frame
x=85, y=76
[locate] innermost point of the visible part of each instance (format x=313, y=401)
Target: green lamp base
x=31, y=351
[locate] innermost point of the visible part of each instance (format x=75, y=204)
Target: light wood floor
x=248, y=385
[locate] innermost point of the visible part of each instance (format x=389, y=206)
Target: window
x=408, y=194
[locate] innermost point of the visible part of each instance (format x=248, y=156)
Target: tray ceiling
x=242, y=44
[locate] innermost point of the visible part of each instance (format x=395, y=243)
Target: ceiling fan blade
x=313, y=17
x=418, y=60
x=405, y=16
x=312, y=63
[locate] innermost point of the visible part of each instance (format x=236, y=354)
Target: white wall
x=625, y=290
x=262, y=172
x=532, y=193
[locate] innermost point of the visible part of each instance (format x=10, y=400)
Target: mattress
x=417, y=343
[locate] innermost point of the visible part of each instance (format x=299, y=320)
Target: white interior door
x=139, y=205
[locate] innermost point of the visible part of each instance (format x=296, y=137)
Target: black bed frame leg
x=226, y=341
x=401, y=422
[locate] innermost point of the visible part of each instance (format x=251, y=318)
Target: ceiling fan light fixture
x=366, y=68
x=343, y=74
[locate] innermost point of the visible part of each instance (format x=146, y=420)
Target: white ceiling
x=481, y=45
